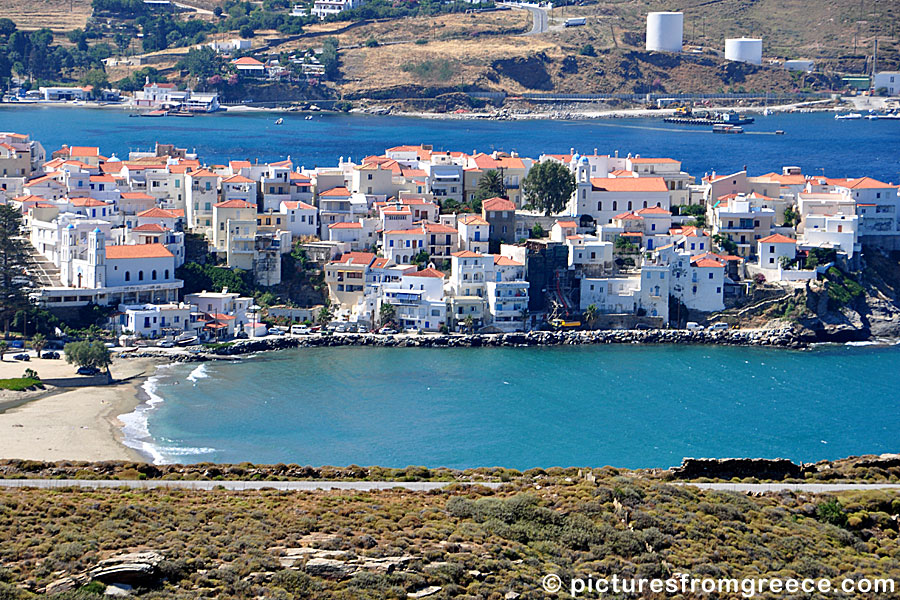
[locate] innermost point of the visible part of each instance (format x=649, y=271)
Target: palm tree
x=524, y=315
x=387, y=313
x=469, y=322
x=38, y=342
x=590, y=314
x=490, y=185
x=325, y=313
x=4, y=346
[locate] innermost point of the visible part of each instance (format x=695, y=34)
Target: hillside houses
x=401, y=233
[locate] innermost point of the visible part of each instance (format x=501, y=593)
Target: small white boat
x=849, y=116
x=309, y=117
x=766, y=112
x=280, y=121
x=872, y=117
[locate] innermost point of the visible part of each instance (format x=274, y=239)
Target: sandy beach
x=70, y=423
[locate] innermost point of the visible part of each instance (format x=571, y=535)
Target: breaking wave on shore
x=135, y=425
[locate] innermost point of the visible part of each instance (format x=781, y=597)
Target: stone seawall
x=776, y=338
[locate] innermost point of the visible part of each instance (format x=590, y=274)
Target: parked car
x=642, y=326
x=340, y=329
x=22, y=356
x=50, y=355
x=300, y=330
x=693, y=326
x=88, y=371
x=275, y=331
x=166, y=344
x=718, y=326
x=362, y=329
x=388, y=331
x=350, y=327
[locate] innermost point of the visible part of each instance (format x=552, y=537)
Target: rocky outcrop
x=137, y=568
x=337, y=564
x=728, y=468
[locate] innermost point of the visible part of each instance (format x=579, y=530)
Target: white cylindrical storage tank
x=665, y=31
x=748, y=50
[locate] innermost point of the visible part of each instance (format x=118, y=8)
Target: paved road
x=305, y=486
x=539, y=15
x=202, y=11
x=813, y=488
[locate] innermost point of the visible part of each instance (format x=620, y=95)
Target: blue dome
x=70, y=226
x=584, y=160
x=576, y=157
x=97, y=230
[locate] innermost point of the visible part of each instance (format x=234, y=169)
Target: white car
x=693, y=326
x=718, y=327
x=300, y=330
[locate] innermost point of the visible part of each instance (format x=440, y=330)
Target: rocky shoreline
x=773, y=338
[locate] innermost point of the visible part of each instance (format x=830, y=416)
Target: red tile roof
x=158, y=213
x=777, y=238
x=498, y=204
x=629, y=184
x=234, y=204
x=654, y=211
x=356, y=225
x=138, y=251
x=150, y=227
x=505, y=261
x=238, y=179
x=466, y=254
x=136, y=196
x=355, y=258
x=428, y=273
x=336, y=192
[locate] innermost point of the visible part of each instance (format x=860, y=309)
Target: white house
x=300, y=218
x=888, y=80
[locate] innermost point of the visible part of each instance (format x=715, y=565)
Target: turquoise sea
x=628, y=406
x=813, y=141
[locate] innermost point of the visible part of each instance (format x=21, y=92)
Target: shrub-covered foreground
x=470, y=542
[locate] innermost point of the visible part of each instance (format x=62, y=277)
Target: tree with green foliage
x=14, y=274
x=387, y=314
x=590, y=315
x=325, y=313
x=587, y=50
x=548, y=186
x=199, y=277
x=4, y=346
x=200, y=62
x=537, y=231
x=469, y=322
x=38, y=342
x=96, y=78
x=421, y=259
x=490, y=186
x=725, y=244
x=791, y=217
x=329, y=58
x=91, y=354
x=832, y=512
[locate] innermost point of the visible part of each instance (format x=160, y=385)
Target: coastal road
x=541, y=21
x=413, y=486
x=235, y=485
x=812, y=488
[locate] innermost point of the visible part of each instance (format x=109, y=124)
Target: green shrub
x=832, y=512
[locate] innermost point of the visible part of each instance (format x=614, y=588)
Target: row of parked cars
x=694, y=326
x=25, y=357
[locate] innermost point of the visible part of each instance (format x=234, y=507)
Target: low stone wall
x=782, y=338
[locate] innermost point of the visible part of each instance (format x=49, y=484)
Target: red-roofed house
x=201, y=193
x=773, y=248
x=301, y=219
x=604, y=198
x=247, y=65
x=500, y=213
x=238, y=187
x=474, y=233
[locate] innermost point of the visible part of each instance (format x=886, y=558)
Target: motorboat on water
x=848, y=117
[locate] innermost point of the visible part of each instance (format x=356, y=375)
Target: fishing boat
x=155, y=113
x=309, y=117
x=848, y=117
x=181, y=113
x=724, y=128
x=279, y=121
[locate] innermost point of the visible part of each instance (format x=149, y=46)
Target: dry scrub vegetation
x=59, y=15
x=473, y=543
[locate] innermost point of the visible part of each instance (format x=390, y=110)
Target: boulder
x=424, y=593
x=137, y=568
x=329, y=568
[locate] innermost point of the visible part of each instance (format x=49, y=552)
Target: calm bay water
x=813, y=141
x=629, y=406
